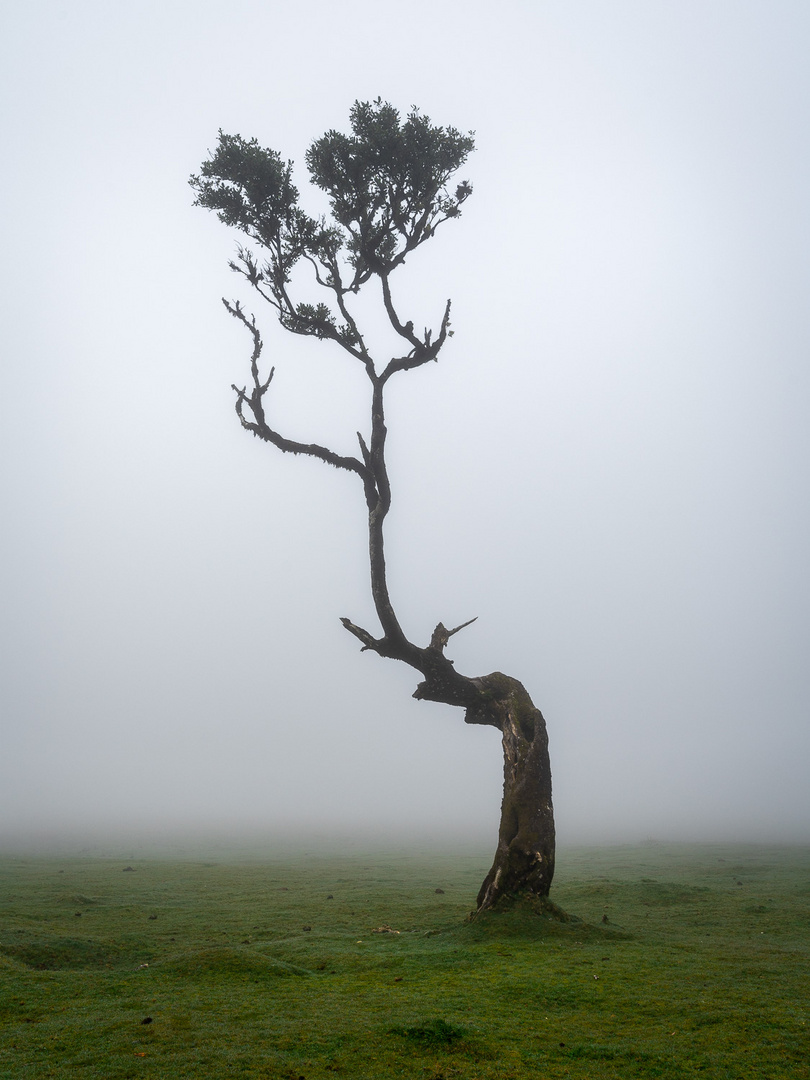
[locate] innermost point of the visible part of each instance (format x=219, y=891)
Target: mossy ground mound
x=535, y=917
x=45, y=952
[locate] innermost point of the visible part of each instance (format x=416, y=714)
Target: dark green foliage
x=249, y=187
x=387, y=181
x=387, y=184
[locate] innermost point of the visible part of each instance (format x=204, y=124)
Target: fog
x=608, y=466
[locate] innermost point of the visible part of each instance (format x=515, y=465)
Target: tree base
x=526, y=904
x=530, y=917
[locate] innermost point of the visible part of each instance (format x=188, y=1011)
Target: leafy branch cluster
x=387, y=184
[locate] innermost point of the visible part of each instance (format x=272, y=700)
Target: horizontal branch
x=442, y=682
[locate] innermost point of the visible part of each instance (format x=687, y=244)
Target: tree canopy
x=387, y=184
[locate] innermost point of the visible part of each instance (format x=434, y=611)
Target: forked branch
x=254, y=401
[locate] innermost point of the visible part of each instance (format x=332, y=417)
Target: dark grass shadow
x=437, y=1037
x=432, y=1034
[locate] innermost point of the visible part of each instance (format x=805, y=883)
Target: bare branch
x=364, y=450
x=423, y=352
x=461, y=626
x=369, y=642
x=441, y=635
x=404, y=330
x=259, y=426
x=352, y=325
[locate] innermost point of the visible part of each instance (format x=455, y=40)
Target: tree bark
x=524, y=858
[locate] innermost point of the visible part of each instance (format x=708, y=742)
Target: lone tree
x=389, y=189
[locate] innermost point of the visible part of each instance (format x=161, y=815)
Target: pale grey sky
x=609, y=465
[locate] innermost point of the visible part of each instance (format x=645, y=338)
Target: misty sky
x=608, y=466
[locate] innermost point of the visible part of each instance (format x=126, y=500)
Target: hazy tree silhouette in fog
x=388, y=184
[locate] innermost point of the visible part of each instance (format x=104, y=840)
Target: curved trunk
x=524, y=858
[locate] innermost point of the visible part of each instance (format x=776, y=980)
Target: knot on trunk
x=503, y=702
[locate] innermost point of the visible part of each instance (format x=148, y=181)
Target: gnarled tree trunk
x=524, y=859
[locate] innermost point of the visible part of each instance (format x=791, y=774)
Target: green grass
x=318, y=967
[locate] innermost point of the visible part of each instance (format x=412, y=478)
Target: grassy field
x=312, y=967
